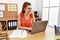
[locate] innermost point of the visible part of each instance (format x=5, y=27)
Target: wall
x=34, y=3
x=59, y=15
x=40, y=7
x=59, y=19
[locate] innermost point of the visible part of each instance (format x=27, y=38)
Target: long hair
x=24, y=6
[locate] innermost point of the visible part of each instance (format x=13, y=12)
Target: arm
x=33, y=16
x=18, y=21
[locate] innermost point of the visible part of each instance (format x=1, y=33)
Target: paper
x=2, y=7
x=9, y=24
x=1, y=14
x=18, y=34
x=13, y=23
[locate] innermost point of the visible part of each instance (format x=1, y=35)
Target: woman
x=26, y=17
x=25, y=21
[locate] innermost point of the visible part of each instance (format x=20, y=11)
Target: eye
x=29, y=8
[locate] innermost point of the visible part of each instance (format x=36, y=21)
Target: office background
x=47, y=9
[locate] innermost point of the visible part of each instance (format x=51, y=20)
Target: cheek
x=29, y=10
x=26, y=10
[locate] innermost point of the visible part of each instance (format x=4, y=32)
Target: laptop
x=38, y=26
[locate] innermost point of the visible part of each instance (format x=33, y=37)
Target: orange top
x=26, y=23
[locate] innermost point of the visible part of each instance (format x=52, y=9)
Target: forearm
x=24, y=28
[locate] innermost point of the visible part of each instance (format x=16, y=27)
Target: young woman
x=26, y=17
x=25, y=21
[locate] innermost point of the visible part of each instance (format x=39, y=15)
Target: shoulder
x=21, y=14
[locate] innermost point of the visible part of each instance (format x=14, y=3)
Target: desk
x=48, y=35
x=36, y=36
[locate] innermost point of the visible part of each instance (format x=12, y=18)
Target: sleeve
x=32, y=16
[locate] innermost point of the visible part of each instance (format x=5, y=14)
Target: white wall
x=20, y=2
x=40, y=7
x=59, y=15
x=59, y=18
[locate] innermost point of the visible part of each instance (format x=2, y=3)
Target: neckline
x=28, y=18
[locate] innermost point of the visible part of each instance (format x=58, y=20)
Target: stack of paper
x=18, y=34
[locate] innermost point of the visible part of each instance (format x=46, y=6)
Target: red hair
x=24, y=6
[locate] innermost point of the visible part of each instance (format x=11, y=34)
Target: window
x=45, y=9
x=12, y=7
x=54, y=2
x=45, y=3
x=45, y=14
x=2, y=7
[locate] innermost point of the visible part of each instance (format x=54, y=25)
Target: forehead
x=28, y=6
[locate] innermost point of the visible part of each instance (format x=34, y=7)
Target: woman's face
x=28, y=9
